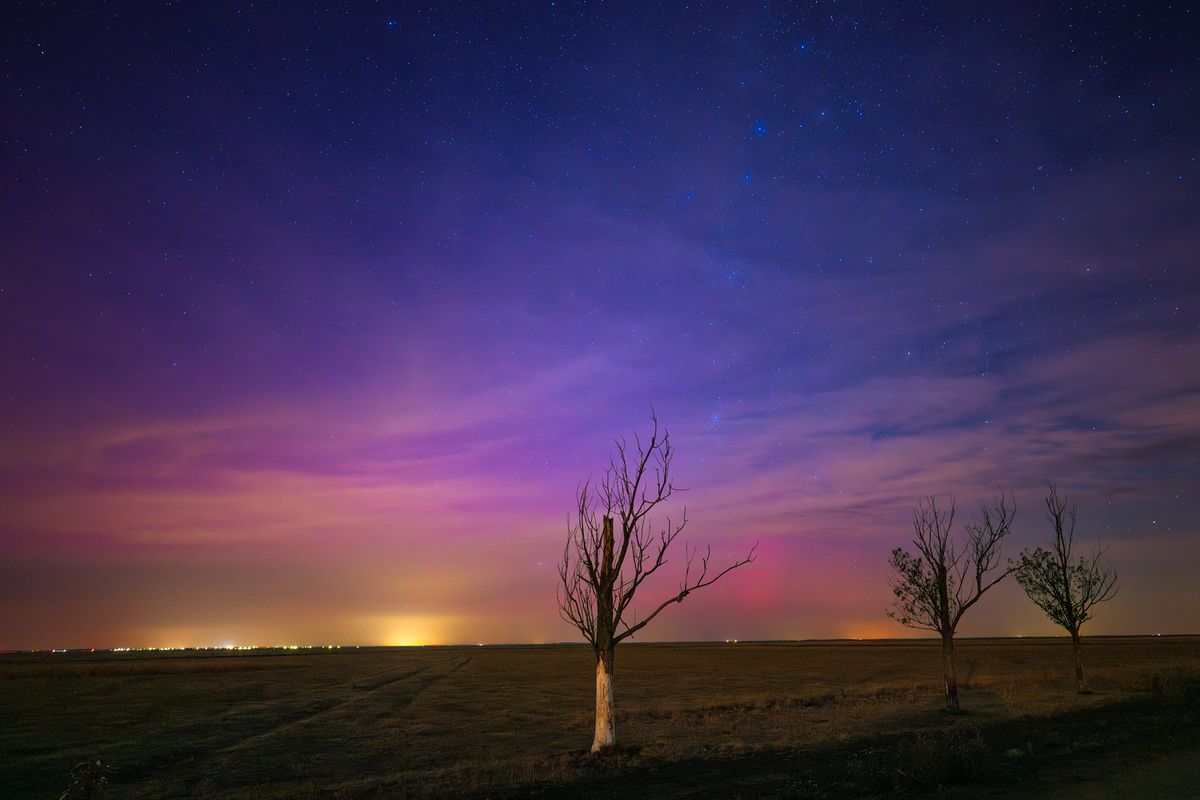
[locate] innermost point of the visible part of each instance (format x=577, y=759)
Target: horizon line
x=567, y=643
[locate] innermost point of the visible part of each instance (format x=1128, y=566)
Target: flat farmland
x=800, y=720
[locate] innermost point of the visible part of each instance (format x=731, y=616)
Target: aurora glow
x=310, y=322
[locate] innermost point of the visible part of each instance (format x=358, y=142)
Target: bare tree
x=934, y=587
x=1066, y=588
x=602, y=571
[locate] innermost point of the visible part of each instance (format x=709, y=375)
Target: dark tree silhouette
x=935, y=586
x=1066, y=588
x=602, y=571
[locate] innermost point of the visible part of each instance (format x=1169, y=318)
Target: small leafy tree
x=935, y=586
x=601, y=570
x=1064, y=587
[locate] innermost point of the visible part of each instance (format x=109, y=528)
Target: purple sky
x=310, y=323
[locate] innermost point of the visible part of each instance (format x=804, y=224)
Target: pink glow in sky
x=308, y=344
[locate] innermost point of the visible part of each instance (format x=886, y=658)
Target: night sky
x=312, y=320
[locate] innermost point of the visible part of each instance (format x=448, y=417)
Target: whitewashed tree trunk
x=1080, y=684
x=606, y=721
x=951, y=674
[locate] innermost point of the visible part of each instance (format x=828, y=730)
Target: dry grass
x=491, y=721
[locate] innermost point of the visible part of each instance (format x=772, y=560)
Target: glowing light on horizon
x=303, y=430
x=414, y=630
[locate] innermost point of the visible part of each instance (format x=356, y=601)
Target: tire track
x=191, y=769
x=376, y=687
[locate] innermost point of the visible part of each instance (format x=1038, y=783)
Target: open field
x=807, y=720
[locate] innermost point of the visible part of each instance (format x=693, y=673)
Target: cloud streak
x=288, y=358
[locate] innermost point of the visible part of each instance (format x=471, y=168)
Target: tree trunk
x=606, y=720
x=950, y=673
x=1080, y=686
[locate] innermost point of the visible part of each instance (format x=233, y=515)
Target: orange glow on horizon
x=415, y=630
x=870, y=629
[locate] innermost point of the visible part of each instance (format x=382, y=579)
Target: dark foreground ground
x=740, y=720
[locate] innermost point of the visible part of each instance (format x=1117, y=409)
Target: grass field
x=806, y=720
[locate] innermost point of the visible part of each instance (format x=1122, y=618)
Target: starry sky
x=313, y=318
